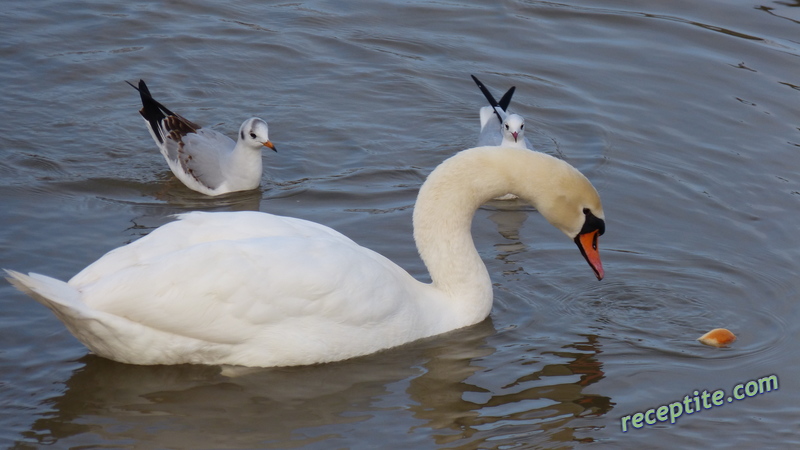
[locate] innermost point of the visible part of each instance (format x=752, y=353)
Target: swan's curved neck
x=443, y=213
x=448, y=199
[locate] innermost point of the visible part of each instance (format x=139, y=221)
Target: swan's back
x=196, y=228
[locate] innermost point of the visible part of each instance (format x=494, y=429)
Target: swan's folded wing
x=305, y=290
x=194, y=228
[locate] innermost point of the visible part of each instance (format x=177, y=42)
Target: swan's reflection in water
x=441, y=382
x=530, y=402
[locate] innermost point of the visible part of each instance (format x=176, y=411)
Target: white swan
x=255, y=289
x=204, y=160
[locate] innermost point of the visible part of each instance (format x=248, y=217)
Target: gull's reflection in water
x=172, y=198
x=457, y=389
x=176, y=195
x=508, y=217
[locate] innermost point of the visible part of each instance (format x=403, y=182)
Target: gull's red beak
x=587, y=243
x=270, y=145
x=515, y=134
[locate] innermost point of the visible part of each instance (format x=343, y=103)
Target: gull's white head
x=254, y=133
x=513, y=129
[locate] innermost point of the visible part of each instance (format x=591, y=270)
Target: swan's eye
x=252, y=135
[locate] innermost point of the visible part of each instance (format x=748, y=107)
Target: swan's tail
x=63, y=299
x=106, y=335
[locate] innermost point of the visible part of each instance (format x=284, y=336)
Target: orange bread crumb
x=718, y=337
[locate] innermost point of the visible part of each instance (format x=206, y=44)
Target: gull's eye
x=522, y=126
x=506, y=126
x=252, y=135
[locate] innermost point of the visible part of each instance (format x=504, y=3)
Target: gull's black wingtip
x=490, y=97
x=485, y=91
x=505, y=100
x=142, y=88
x=476, y=80
x=152, y=111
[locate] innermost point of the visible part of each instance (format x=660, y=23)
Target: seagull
x=511, y=132
x=204, y=160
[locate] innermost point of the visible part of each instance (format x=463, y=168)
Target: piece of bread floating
x=718, y=337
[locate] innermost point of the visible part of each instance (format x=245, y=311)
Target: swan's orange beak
x=270, y=145
x=587, y=243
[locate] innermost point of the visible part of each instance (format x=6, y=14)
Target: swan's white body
x=205, y=160
x=254, y=289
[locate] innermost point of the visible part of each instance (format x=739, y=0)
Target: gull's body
x=255, y=289
x=206, y=161
x=498, y=126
